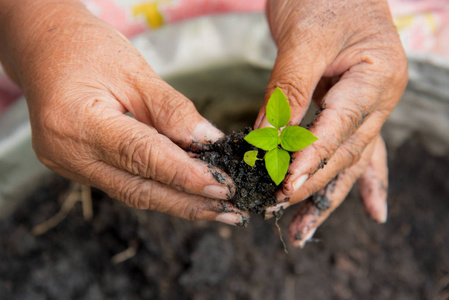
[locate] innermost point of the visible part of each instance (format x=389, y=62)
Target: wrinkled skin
x=346, y=56
x=80, y=77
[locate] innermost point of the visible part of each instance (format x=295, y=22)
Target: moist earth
x=254, y=189
x=351, y=256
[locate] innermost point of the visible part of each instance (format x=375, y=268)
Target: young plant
x=276, y=145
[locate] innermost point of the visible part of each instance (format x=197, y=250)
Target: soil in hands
x=254, y=189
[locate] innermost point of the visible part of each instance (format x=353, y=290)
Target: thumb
x=172, y=114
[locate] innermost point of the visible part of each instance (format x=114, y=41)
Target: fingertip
x=281, y=197
x=379, y=212
x=301, y=243
x=234, y=219
x=272, y=210
x=225, y=182
x=287, y=190
x=206, y=133
x=295, y=185
x=217, y=192
x=382, y=218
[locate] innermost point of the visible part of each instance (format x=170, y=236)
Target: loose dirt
x=350, y=258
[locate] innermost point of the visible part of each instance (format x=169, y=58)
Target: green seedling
x=275, y=141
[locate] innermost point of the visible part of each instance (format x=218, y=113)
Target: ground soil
x=254, y=189
x=352, y=258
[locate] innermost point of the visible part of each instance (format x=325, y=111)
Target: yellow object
x=432, y=22
x=403, y=22
x=152, y=15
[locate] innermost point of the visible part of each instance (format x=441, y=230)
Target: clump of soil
x=254, y=189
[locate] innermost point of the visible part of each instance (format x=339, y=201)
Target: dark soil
x=254, y=189
x=351, y=258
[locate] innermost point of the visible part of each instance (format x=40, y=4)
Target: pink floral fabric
x=422, y=24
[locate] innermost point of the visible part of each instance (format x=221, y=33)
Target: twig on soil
x=86, y=200
x=76, y=193
x=280, y=235
x=126, y=254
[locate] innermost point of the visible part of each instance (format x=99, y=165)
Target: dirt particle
x=278, y=214
x=321, y=201
x=323, y=163
x=244, y=223
x=196, y=146
x=363, y=118
x=220, y=178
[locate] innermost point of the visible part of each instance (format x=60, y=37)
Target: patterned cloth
x=423, y=24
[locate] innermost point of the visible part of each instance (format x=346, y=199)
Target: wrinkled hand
x=80, y=77
x=345, y=55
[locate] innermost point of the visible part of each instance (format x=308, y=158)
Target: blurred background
x=60, y=240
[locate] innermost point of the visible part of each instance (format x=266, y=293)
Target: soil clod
x=254, y=188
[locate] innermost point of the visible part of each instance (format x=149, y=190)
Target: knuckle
x=135, y=196
x=391, y=65
x=352, y=155
x=323, y=153
x=168, y=105
x=144, y=156
x=354, y=148
x=139, y=155
x=172, y=106
x=353, y=115
x=177, y=179
x=349, y=118
x=192, y=212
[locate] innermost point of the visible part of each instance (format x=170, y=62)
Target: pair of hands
x=80, y=77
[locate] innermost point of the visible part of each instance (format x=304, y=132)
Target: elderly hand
x=347, y=56
x=80, y=76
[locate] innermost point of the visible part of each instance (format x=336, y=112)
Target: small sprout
x=291, y=138
x=250, y=157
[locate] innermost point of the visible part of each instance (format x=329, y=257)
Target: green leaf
x=278, y=109
x=250, y=157
x=277, y=162
x=295, y=138
x=263, y=138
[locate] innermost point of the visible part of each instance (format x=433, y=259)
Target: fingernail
x=299, y=182
x=308, y=236
x=216, y=192
x=269, y=212
x=382, y=215
x=205, y=131
x=230, y=218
